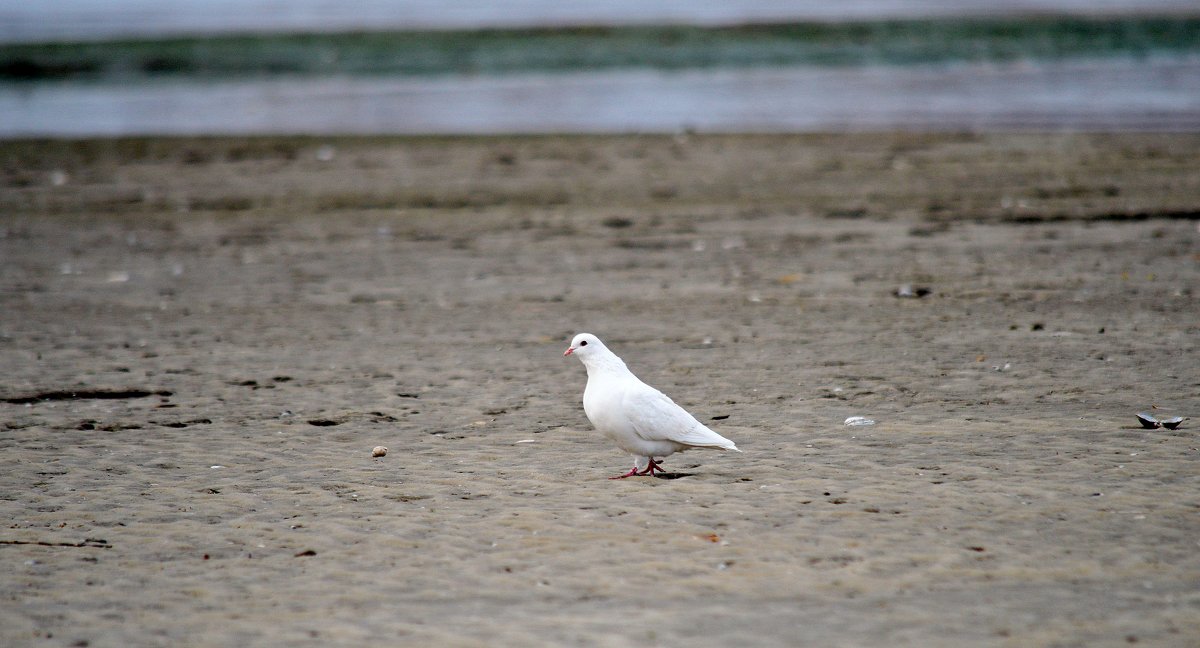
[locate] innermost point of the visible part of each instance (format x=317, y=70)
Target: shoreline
x=1110, y=96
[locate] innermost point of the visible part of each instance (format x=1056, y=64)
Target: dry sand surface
x=203, y=340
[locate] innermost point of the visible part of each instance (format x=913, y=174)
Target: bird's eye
x=583, y=343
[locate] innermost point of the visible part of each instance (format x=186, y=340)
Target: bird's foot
x=648, y=470
x=631, y=473
x=651, y=467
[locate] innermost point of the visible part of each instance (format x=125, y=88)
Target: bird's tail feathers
x=716, y=441
x=702, y=437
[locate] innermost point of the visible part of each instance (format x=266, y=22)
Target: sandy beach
x=203, y=339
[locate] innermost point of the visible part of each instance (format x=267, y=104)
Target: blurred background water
x=141, y=67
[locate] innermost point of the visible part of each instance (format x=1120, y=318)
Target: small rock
x=378, y=451
x=908, y=291
x=859, y=420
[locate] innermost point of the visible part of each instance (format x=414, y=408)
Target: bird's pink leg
x=631, y=473
x=651, y=467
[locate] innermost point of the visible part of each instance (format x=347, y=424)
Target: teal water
x=1115, y=73
x=589, y=49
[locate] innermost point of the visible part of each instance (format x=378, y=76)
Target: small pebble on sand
x=378, y=451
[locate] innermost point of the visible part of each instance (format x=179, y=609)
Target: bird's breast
x=602, y=404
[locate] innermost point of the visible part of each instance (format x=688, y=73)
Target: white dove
x=637, y=417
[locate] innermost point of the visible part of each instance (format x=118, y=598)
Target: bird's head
x=584, y=346
x=594, y=355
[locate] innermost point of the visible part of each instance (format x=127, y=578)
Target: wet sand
x=202, y=341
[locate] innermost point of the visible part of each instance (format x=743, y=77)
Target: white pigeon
x=637, y=417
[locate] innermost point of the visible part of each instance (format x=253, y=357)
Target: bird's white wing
x=656, y=417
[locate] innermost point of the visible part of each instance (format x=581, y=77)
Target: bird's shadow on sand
x=673, y=475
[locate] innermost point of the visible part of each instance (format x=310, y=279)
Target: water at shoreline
x=1114, y=73
x=1078, y=96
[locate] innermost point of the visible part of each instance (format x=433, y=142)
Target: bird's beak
x=569, y=351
